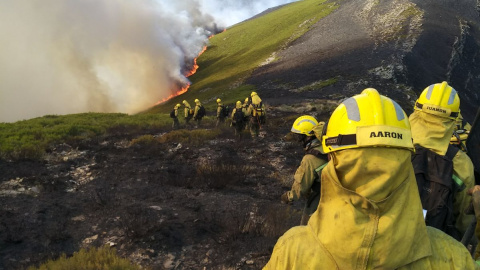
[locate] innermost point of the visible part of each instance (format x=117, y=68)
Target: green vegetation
x=233, y=55
x=104, y=258
x=31, y=138
x=317, y=85
x=191, y=137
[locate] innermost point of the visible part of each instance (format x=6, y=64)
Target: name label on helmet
x=386, y=134
x=436, y=109
x=383, y=135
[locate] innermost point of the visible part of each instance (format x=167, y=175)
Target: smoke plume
x=71, y=56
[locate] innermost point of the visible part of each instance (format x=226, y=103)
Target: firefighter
x=220, y=113
x=188, y=112
x=433, y=122
x=306, y=183
x=245, y=105
x=369, y=215
x=176, y=124
x=238, y=118
x=198, y=113
x=256, y=111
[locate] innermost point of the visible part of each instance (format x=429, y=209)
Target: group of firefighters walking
x=247, y=115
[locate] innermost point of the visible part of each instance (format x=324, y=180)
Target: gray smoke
x=71, y=56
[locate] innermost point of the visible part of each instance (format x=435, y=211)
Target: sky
x=72, y=56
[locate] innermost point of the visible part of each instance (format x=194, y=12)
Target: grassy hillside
x=233, y=55
x=30, y=138
x=230, y=58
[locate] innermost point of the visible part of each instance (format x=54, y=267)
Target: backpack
x=258, y=112
x=172, y=113
x=437, y=186
x=201, y=112
x=225, y=111
x=238, y=116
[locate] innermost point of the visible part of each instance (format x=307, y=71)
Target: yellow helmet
x=439, y=99
x=239, y=103
x=178, y=105
x=304, y=125
x=196, y=100
x=253, y=94
x=246, y=100
x=219, y=100
x=367, y=120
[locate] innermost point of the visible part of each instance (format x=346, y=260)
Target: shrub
x=144, y=140
x=191, y=137
x=103, y=258
x=220, y=175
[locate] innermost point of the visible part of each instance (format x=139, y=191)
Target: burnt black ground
x=161, y=205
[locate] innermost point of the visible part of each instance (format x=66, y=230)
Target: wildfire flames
x=195, y=66
x=188, y=74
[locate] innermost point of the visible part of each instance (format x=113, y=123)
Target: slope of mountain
x=398, y=47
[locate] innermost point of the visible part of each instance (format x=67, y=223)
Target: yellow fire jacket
x=219, y=111
x=187, y=109
x=434, y=133
x=305, y=176
x=369, y=217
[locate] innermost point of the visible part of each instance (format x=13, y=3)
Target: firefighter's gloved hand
x=285, y=198
x=475, y=193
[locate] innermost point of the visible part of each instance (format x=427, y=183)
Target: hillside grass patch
x=30, y=139
x=316, y=85
x=103, y=258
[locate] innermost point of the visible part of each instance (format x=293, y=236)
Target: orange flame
x=195, y=66
x=181, y=91
x=190, y=73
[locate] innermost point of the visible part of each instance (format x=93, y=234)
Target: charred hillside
x=396, y=46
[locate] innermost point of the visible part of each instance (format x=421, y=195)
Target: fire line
x=190, y=73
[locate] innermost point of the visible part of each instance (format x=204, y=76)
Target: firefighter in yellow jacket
x=220, y=112
x=238, y=118
x=306, y=184
x=433, y=122
x=245, y=105
x=369, y=215
x=197, y=114
x=256, y=111
x=176, y=124
x=188, y=112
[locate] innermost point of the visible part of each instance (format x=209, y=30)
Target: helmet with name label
x=367, y=120
x=439, y=99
